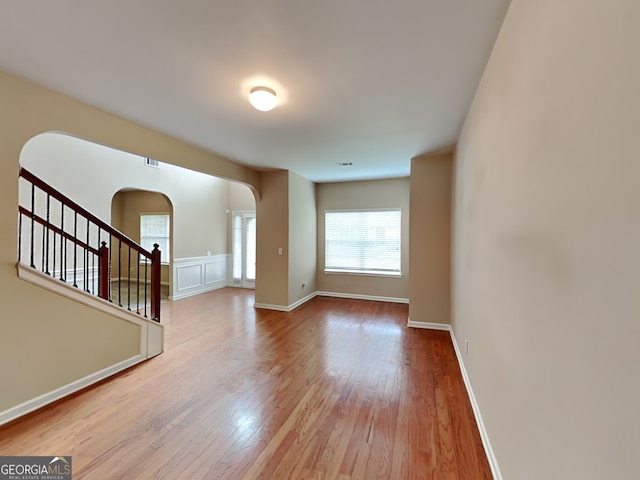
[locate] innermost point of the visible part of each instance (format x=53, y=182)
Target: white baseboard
x=302, y=300
x=493, y=462
x=430, y=326
x=270, y=306
x=283, y=308
x=151, y=340
x=288, y=308
x=491, y=458
x=215, y=286
x=357, y=296
x=58, y=393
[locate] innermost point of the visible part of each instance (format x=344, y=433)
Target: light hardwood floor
x=337, y=389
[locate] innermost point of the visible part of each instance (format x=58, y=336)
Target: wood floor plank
x=338, y=389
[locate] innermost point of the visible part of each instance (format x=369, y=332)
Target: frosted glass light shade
x=263, y=98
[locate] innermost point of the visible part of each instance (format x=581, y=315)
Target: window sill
x=364, y=273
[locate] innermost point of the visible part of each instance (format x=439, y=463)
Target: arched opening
x=147, y=218
x=118, y=187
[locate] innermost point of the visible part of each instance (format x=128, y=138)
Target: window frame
x=387, y=273
x=165, y=258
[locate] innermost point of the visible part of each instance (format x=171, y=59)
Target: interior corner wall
x=369, y=194
x=272, y=234
x=546, y=258
x=302, y=238
x=430, y=239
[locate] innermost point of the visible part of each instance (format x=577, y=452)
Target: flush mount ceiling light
x=263, y=98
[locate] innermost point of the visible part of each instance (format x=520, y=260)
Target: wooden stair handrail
x=45, y=187
x=102, y=251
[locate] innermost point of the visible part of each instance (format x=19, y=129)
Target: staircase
x=65, y=249
x=61, y=240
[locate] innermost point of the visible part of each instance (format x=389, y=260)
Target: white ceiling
x=371, y=82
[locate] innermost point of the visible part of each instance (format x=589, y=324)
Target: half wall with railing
x=63, y=240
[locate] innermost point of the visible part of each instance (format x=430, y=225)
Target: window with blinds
x=155, y=229
x=363, y=241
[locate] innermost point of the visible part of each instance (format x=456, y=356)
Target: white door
x=244, y=249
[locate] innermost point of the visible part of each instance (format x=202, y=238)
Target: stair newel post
x=104, y=276
x=155, y=283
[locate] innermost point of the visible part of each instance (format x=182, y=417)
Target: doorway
x=244, y=249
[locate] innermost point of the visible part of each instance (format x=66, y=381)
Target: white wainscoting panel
x=195, y=275
x=214, y=272
x=189, y=277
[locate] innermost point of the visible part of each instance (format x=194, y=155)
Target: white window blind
x=363, y=241
x=155, y=229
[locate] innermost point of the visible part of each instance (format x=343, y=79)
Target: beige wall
x=430, y=239
x=272, y=233
x=285, y=219
x=48, y=341
x=199, y=201
x=128, y=205
x=365, y=194
x=240, y=197
x=126, y=208
x=302, y=237
x=547, y=241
